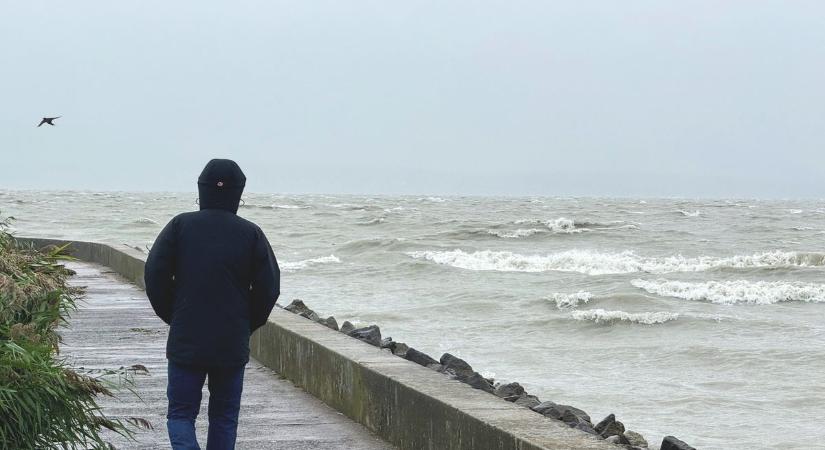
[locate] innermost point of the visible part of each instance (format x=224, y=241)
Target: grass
x=44, y=403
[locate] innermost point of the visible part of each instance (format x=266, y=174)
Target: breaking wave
x=145, y=221
x=595, y=263
x=739, y=291
x=601, y=316
x=696, y=213
x=565, y=301
x=300, y=265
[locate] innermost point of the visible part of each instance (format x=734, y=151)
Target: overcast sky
x=616, y=98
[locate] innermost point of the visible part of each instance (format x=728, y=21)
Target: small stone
x=635, y=439
x=509, y=390
x=419, y=357
x=330, y=322
x=609, y=426
x=371, y=335
x=672, y=443
x=400, y=349
x=347, y=327
x=528, y=401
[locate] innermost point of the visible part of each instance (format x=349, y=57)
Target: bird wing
x=42, y=122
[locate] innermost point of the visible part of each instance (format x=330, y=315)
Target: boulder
x=609, y=427
x=346, y=327
x=419, y=357
x=297, y=307
x=635, y=439
x=371, y=335
x=311, y=315
x=671, y=443
x=527, y=400
x=387, y=342
x=617, y=439
x=330, y=322
x=478, y=382
x=400, y=349
x=584, y=426
x=568, y=414
x=456, y=365
x=509, y=391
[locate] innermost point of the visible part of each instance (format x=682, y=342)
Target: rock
x=297, y=307
x=509, y=390
x=419, y=357
x=528, y=401
x=347, y=327
x=478, y=382
x=387, y=342
x=635, y=439
x=617, y=439
x=609, y=426
x=310, y=314
x=456, y=366
x=371, y=335
x=400, y=349
x=584, y=426
x=671, y=443
x=330, y=322
x=566, y=413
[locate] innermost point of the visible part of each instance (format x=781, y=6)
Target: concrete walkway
x=115, y=326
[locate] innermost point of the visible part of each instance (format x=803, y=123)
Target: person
x=212, y=276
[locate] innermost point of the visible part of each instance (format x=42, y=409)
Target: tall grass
x=43, y=402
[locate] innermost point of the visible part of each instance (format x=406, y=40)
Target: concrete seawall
x=409, y=405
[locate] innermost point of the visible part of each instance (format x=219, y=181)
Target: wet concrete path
x=115, y=326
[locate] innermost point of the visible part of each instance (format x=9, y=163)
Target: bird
x=49, y=120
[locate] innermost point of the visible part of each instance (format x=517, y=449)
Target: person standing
x=212, y=276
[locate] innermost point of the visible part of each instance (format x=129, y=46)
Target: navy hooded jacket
x=211, y=275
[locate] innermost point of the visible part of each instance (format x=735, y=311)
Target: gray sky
x=621, y=98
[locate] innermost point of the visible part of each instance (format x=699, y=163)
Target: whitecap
x=601, y=316
x=596, y=263
x=290, y=206
x=520, y=233
x=564, y=301
x=145, y=221
x=737, y=291
x=696, y=213
x=300, y=265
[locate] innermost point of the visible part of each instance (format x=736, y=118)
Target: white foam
x=738, y=291
x=289, y=207
x=520, y=233
x=300, y=265
x=146, y=220
x=696, y=213
x=564, y=301
x=597, y=263
x=601, y=316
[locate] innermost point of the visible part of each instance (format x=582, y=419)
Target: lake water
x=704, y=319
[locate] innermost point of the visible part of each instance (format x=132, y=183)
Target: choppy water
x=703, y=319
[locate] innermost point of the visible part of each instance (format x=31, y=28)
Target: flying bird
x=49, y=120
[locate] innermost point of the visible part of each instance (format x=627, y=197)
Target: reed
x=44, y=403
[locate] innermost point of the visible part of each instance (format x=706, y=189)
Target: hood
x=220, y=185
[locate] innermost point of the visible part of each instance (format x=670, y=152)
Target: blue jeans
x=184, y=394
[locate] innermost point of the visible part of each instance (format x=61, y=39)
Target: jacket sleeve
x=159, y=272
x=266, y=283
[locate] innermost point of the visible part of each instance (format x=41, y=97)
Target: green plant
x=43, y=402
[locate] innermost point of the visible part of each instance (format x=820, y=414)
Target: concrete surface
x=115, y=326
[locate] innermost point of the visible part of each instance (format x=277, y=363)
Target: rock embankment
x=609, y=428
